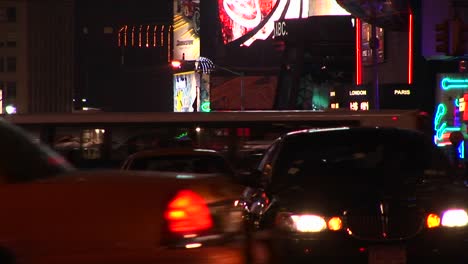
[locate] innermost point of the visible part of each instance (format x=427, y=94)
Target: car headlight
x=455, y=218
x=307, y=223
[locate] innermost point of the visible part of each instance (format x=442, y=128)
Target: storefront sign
x=401, y=92
x=357, y=92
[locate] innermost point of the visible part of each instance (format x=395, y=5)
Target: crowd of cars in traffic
x=336, y=195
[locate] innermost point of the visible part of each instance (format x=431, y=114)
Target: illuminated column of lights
x=139, y=35
x=133, y=36
x=120, y=36
x=125, y=36
x=147, y=36
x=162, y=36
x=410, y=48
x=169, y=44
x=358, y=51
x=155, y=29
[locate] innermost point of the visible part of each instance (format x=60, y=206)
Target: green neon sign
x=440, y=126
x=205, y=107
x=448, y=83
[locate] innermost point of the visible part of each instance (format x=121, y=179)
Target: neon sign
x=448, y=83
x=440, y=126
x=205, y=107
x=357, y=92
x=402, y=92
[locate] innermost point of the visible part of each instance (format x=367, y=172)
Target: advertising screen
x=186, y=44
x=185, y=91
x=245, y=21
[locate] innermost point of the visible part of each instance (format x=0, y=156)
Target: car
x=121, y=217
x=358, y=195
x=54, y=213
x=180, y=159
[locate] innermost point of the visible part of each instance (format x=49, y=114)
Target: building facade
x=36, y=56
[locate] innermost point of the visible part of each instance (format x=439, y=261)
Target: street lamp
x=206, y=66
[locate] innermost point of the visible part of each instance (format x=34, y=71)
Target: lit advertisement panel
x=186, y=44
x=185, y=91
x=326, y=8
x=450, y=114
x=245, y=21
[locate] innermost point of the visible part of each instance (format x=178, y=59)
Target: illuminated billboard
x=185, y=91
x=245, y=21
x=186, y=44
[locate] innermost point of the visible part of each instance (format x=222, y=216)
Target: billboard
x=186, y=45
x=249, y=20
x=246, y=21
x=185, y=91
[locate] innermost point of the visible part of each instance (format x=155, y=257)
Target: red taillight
x=188, y=213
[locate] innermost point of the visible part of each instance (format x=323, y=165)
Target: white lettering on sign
x=357, y=92
x=461, y=104
x=280, y=29
x=364, y=106
x=402, y=92
x=354, y=106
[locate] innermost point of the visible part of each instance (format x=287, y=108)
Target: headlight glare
x=309, y=223
x=455, y=218
x=432, y=221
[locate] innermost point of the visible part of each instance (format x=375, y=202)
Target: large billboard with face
x=245, y=21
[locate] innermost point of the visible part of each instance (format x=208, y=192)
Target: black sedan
x=355, y=195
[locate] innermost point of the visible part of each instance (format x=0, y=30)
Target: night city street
x=233, y=131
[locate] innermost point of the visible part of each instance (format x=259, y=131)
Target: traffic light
x=443, y=37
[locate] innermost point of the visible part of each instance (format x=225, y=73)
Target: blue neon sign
x=441, y=126
x=448, y=83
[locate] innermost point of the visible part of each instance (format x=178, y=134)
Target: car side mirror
x=251, y=178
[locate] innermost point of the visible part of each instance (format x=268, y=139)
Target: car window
x=22, y=159
x=179, y=163
x=363, y=157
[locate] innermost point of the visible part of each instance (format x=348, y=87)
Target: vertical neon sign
x=358, y=51
x=410, y=48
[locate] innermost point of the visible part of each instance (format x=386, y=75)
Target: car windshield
x=182, y=163
x=359, y=157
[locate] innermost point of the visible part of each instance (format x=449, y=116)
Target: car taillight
x=188, y=213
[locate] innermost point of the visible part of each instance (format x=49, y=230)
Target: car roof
x=173, y=152
x=353, y=130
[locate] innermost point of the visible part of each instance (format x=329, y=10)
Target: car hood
x=424, y=196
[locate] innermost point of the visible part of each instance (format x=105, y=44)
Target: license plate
x=387, y=255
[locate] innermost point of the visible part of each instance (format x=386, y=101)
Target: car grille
x=398, y=222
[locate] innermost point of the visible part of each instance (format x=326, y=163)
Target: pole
x=242, y=97
x=375, y=61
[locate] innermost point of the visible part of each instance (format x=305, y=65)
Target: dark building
x=122, y=55
x=51, y=57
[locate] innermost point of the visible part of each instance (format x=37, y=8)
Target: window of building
x=11, y=64
x=8, y=14
x=2, y=64
x=11, y=40
x=10, y=91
